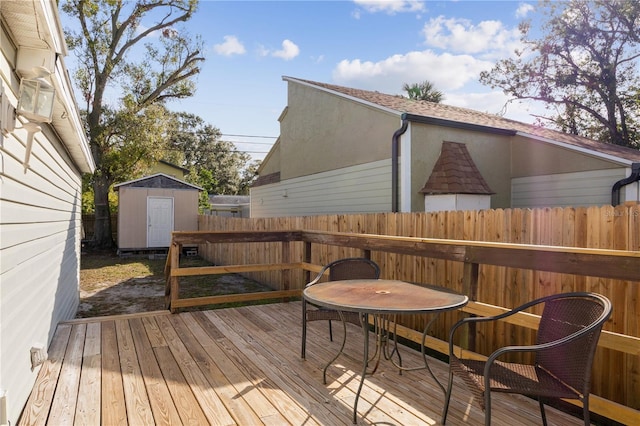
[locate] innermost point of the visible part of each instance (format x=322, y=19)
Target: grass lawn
x=111, y=285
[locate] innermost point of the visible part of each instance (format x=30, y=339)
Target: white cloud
x=488, y=38
x=496, y=102
x=230, y=46
x=390, y=6
x=142, y=28
x=289, y=51
x=455, y=75
x=523, y=10
x=448, y=72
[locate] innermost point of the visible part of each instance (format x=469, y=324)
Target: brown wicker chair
x=343, y=269
x=568, y=334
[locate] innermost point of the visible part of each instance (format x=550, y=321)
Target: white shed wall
x=365, y=188
x=591, y=188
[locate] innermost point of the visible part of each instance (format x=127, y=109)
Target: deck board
x=65, y=399
x=88, y=407
x=162, y=406
x=239, y=366
x=113, y=409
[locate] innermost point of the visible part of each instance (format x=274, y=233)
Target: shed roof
x=158, y=180
x=455, y=173
x=444, y=114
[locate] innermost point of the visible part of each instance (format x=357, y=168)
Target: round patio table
x=383, y=299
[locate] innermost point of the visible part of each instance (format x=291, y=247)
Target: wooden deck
x=238, y=366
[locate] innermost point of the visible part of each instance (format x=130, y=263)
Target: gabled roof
x=448, y=115
x=455, y=173
x=158, y=180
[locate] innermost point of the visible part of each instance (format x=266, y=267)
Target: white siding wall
x=40, y=213
x=364, y=188
x=592, y=188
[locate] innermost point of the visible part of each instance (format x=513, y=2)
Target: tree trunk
x=102, y=233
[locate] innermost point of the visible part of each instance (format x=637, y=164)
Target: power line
x=214, y=151
x=250, y=136
x=200, y=133
x=251, y=143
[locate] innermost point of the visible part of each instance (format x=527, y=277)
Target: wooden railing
x=613, y=264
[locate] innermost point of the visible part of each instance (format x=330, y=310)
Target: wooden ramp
x=238, y=366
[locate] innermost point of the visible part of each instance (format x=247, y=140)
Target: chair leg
x=542, y=412
x=330, y=332
x=487, y=404
x=303, y=353
x=447, y=397
x=585, y=410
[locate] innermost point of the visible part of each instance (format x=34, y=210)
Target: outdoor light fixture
x=35, y=103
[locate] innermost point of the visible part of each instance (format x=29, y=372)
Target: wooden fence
x=88, y=223
x=618, y=375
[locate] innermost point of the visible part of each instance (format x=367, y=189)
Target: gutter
x=395, y=142
x=457, y=124
x=634, y=177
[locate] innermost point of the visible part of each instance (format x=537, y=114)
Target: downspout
x=395, y=142
x=634, y=177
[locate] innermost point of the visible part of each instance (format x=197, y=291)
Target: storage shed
x=152, y=207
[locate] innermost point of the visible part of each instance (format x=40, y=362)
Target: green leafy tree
x=584, y=68
x=125, y=116
x=425, y=91
x=216, y=165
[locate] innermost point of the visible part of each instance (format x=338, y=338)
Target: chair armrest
x=488, y=318
x=317, y=278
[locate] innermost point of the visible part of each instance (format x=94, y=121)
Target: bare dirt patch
x=111, y=285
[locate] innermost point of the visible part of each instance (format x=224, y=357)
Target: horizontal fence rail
x=496, y=276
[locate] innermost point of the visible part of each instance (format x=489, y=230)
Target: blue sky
x=372, y=45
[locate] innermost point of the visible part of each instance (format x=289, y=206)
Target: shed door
x=159, y=221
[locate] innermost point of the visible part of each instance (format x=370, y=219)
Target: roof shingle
x=455, y=173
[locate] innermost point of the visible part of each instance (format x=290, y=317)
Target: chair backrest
x=353, y=268
x=580, y=315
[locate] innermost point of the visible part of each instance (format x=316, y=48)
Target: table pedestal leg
x=344, y=340
x=364, y=320
x=382, y=332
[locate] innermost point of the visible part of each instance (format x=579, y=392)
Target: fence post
x=286, y=273
x=306, y=257
x=470, y=288
x=175, y=264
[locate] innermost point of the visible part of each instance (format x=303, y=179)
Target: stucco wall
x=491, y=154
x=322, y=132
x=326, y=136
x=534, y=158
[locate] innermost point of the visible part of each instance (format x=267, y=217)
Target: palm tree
x=424, y=91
